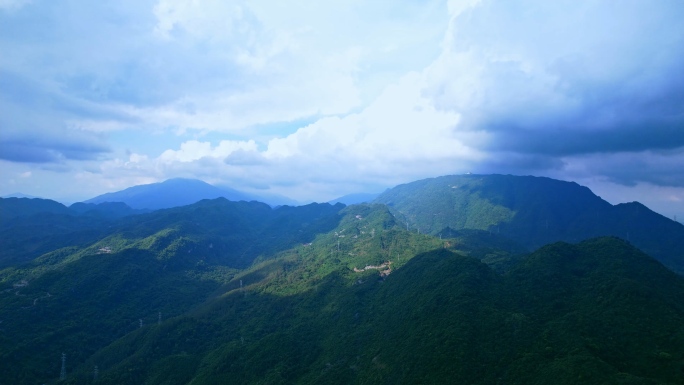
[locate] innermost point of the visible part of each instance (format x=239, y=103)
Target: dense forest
x=462, y=279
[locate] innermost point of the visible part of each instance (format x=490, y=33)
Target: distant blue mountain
x=171, y=193
x=352, y=199
x=21, y=195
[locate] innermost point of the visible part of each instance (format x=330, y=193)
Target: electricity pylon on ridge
x=62, y=373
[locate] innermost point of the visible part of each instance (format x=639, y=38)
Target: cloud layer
x=318, y=100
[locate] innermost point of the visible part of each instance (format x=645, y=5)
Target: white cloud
x=532, y=64
x=391, y=141
x=401, y=125
x=390, y=91
x=194, y=150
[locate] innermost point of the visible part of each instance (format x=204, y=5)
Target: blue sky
x=314, y=100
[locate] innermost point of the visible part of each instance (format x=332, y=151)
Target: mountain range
x=170, y=193
x=479, y=279
x=181, y=192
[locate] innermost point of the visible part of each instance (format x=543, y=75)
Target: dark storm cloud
x=19, y=152
x=21, y=95
x=574, y=140
x=517, y=164
x=646, y=115
x=567, y=81
x=33, y=128
x=661, y=168
x=28, y=148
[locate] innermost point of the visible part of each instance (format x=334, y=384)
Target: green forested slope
x=80, y=298
x=325, y=294
x=532, y=211
x=600, y=312
x=30, y=228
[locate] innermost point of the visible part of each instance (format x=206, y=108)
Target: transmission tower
x=140, y=322
x=62, y=373
x=159, y=320
x=95, y=373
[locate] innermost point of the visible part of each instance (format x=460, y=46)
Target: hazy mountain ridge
x=354, y=199
x=170, y=193
x=21, y=195
x=181, y=192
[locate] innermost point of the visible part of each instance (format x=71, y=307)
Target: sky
x=314, y=100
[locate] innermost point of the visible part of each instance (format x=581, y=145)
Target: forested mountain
x=244, y=225
x=32, y=227
x=238, y=292
x=533, y=211
x=11, y=208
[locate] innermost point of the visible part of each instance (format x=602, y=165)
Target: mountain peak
x=169, y=193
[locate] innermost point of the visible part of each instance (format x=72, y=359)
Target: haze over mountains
x=182, y=191
x=20, y=195
x=352, y=199
x=178, y=192
x=481, y=279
